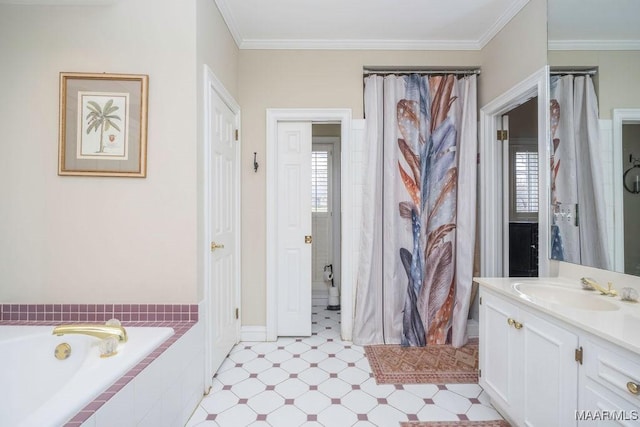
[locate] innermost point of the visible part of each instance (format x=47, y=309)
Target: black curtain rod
x=421, y=72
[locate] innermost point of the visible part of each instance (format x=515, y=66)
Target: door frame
x=621, y=116
x=214, y=87
x=491, y=198
x=315, y=115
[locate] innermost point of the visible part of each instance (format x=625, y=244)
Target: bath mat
x=491, y=423
x=434, y=364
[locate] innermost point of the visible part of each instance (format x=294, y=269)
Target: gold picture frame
x=103, y=124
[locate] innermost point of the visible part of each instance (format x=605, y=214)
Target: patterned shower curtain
x=414, y=280
x=576, y=174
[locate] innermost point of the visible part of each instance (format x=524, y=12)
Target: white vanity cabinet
x=527, y=364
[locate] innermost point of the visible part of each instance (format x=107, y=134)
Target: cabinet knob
x=514, y=323
x=517, y=325
x=633, y=388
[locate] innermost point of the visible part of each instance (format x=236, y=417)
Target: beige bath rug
x=492, y=423
x=434, y=364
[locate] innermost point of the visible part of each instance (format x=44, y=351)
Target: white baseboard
x=253, y=333
x=320, y=297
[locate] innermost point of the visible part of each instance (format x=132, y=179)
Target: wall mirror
x=593, y=217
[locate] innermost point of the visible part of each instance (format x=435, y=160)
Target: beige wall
x=618, y=81
x=516, y=52
x=84, y=239
x=299, y=79
x=135, y=240
x=333, y=79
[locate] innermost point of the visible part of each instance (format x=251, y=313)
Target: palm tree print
x=103, y=118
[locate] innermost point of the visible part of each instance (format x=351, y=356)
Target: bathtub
x=39, y=390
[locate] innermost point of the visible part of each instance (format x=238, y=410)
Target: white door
x=224, y=187
x=294, y=229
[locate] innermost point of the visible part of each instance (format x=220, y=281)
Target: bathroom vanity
x=553, y=354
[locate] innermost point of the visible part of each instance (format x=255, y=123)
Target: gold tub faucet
x=94, y=330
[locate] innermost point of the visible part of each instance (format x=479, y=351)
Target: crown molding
x=513, y=9
x=362, y=44
x=227, y=16
x=594, y=44
x=319, y=44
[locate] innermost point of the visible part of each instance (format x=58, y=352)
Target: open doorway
x=520, y=164
x=289, y=238
x=492, y=218
x=325, y=214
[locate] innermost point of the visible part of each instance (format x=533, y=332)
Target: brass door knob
x=215, y=246
x=308, y=239
x=633, y=388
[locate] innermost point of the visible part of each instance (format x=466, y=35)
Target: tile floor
x=323, y=381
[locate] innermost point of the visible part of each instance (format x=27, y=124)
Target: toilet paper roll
x=327, y=276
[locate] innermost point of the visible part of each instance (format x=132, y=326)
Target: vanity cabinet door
x=500, y=353
x=528, y=365
x=550, y=373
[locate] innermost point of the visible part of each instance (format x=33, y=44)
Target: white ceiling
x=594, y=24
x=412, y=24
x=366, y=24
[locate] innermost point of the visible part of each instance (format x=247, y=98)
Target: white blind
x=526, y=182
x=319, y=181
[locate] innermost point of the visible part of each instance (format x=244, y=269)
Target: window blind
x=319, y=181
x=526, y=182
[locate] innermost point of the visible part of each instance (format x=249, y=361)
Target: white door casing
x=343, y=116
x=491, y=217
x=294, y=238
x=221, y=223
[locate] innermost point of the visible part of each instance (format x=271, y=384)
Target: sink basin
x=553, y=294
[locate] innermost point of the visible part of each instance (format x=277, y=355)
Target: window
x=320, y=181
x=524, y=182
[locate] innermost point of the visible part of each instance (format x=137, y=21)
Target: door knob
x=215, y=246
x=308, y=239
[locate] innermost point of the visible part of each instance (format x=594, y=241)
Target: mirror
x=600, y=39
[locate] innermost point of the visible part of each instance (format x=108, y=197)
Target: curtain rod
x=577, y=72
x=425, y=72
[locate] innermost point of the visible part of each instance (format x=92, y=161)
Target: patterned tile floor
x=323, y=381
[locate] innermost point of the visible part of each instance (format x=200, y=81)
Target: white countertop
x=621, y=326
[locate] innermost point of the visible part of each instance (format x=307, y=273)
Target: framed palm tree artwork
x=103, y=124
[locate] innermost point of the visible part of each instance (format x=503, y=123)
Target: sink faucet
x=592, y=284
x=94, y=330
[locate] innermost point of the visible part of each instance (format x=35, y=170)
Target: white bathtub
x=36, y=389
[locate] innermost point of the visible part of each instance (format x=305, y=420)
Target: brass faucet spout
x=592, y=284
x=94, y=330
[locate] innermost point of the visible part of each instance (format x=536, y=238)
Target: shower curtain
x=576, y=173
x=415, y=270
